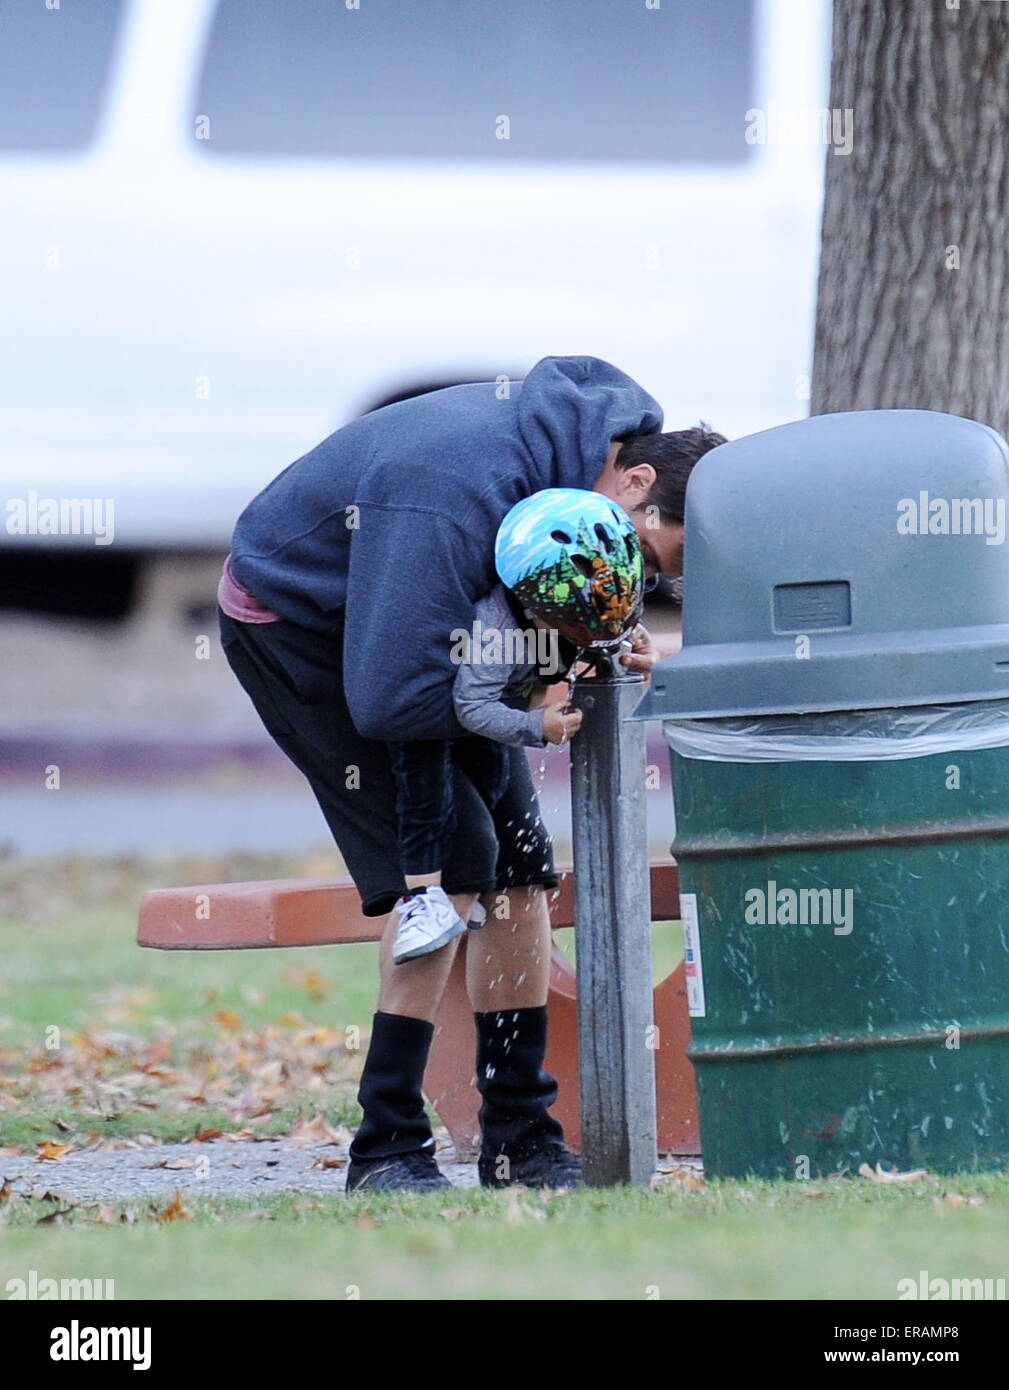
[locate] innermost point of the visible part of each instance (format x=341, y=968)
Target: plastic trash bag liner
x=915, y=731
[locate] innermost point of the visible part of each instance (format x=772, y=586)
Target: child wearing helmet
x=571, y=566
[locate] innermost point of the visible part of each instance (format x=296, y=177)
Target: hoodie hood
x=569, y=411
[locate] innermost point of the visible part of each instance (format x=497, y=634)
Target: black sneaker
x=410, y=1172
x=551, y=1166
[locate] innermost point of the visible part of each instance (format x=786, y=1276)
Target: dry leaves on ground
x=245, y=1073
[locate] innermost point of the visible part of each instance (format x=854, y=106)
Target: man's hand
x=559, y=726
x=642, y=656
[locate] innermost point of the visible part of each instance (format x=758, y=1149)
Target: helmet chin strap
x=604, y=659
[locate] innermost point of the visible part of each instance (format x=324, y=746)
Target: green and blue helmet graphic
x=572, y=558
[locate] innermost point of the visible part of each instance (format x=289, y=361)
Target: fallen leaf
x=207, y=1134
x=175, y=1211
x=956, y=1199
x=686, y=1178
x=317, y=1130
x=229, y=1020
x=269, y=1072
x=314, y=984
x=155, y=1054
x=452, y=1213
x=51, y=1151
x=36, y=1065
x=173, y=1163
x=324, y=1162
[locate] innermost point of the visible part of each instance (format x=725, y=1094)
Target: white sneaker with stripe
x=427, y=921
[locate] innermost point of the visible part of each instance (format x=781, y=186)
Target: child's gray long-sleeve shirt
x=491, y=695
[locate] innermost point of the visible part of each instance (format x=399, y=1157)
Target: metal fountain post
x=616, y=1046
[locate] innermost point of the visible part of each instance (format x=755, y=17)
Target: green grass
x=836, y=1239
x=87, y=968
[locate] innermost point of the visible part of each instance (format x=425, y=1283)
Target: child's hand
x=559, y=726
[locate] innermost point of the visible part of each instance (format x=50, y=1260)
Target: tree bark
x=912, y=304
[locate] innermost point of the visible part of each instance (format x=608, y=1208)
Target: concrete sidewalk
x=242, y=1168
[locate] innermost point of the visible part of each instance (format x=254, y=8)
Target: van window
x=577, y=79
x=54, y=64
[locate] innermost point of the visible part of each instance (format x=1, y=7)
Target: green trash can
x=838, y=724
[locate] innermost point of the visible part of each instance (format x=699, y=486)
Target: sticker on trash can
x=692, y=955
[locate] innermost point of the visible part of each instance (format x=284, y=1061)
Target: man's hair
x=672, y=455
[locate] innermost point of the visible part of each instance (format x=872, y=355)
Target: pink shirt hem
x=236, y=600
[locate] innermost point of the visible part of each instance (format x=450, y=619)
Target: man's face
x=661, y=541
x=661, y=546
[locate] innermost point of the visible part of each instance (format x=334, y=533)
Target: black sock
x=390, y=1093
x=516, y=1091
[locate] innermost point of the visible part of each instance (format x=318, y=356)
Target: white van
x=228, y=226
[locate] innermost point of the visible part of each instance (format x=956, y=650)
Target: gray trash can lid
x=848, y=561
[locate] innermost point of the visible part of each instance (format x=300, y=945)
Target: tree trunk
x=912, y=308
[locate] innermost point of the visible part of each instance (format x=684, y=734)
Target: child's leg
x=425, y=807
x=424, y=920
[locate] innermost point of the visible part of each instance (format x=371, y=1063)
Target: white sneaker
x=427, y=921
x=477, y=916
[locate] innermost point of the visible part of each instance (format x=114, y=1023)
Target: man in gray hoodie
x=348, y=575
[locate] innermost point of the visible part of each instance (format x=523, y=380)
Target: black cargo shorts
x=294, y=678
